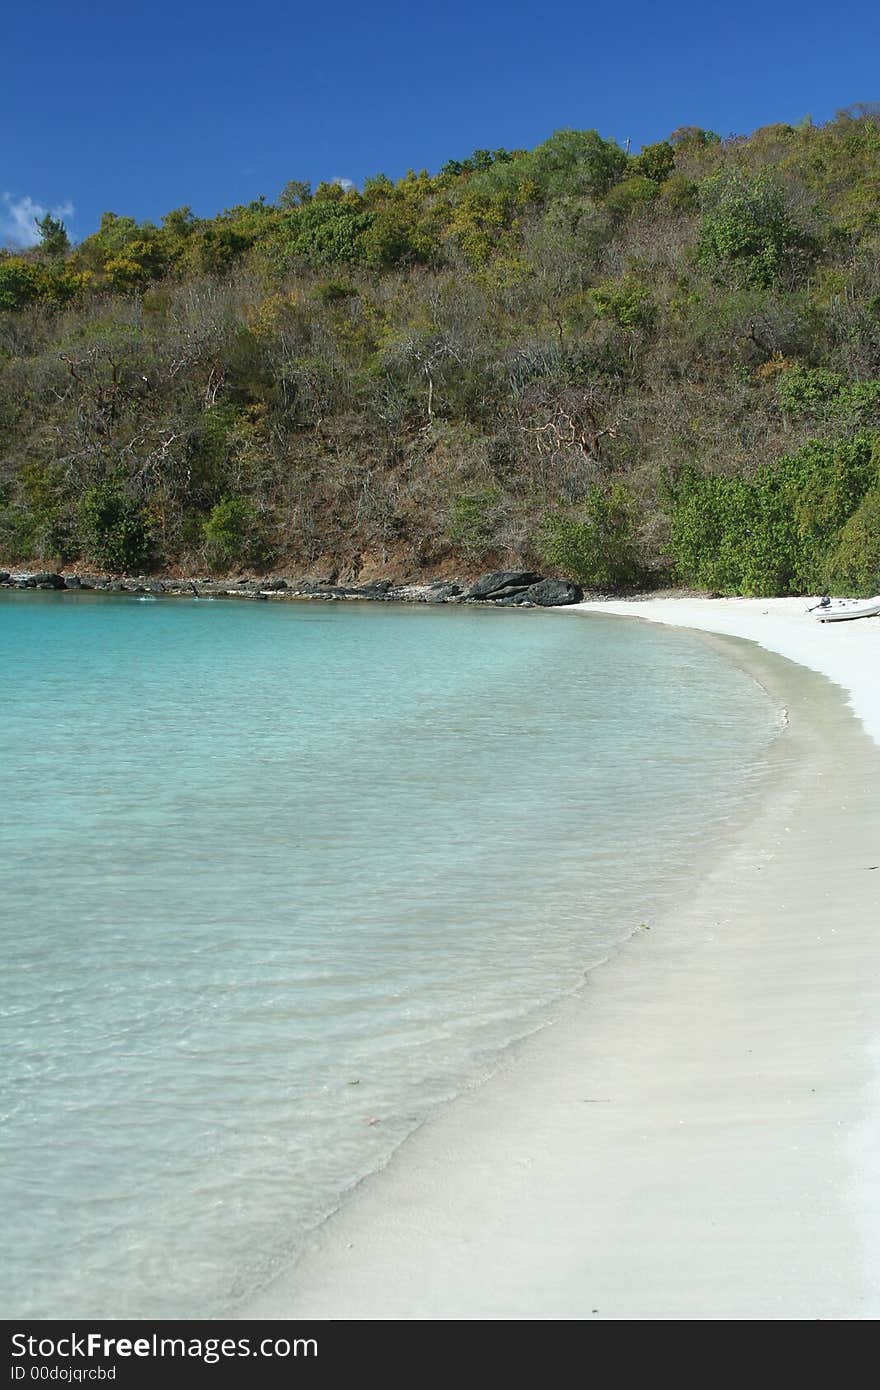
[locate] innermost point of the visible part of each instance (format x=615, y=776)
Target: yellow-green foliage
x=855, y=565
x=805, y=523
x=575, y=356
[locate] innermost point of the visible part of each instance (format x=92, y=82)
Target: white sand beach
x=698, y=1134
x=847, y=653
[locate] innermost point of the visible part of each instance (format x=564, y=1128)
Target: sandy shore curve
x=698, y=1135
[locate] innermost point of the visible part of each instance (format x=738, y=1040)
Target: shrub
x=18, y=539
x=625, y=301
x=822, y=486
x=328, y=231
x=726, y=536
x=334, y=291
x=782, y=530
x=681, y=194
x=112, y=528
x=746, y=231
x=44, y=528
x=855, y=565
x=599, y=548
x=814, y=391
x=20, y=283
x=233, y=536
x=625, y=198
x=471, y=521
x=571, y=162
x=807, y=390
x=655, y=161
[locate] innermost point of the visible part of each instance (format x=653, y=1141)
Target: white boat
x=843, y=610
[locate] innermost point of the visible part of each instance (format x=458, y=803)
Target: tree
x=294, y=194
x=54, y=240
x=598, y=548
x=20, y=282
x=747, y=232
x=329, y=228
x=232, y=534
x=112, y=527
x=693, y=137
x=655, y=161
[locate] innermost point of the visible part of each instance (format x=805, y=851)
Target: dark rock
x=47, y=580
x=377, y=589
x=501, y=583
x=554, y=593
x=337, y=591
x=520, y=600
x=72, y=581
x=315, y=586
x=4, y=576
x=29, y=582
x=509, y=591
x=155, y=586
x=322, y=588
x=442, y=593
x=273, y=586
x=317, y=589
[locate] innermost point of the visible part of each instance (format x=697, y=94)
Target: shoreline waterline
x=695, y=1136
x=294, y=876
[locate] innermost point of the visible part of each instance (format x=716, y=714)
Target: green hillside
x=630, y=368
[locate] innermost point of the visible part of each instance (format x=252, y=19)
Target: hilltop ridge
x=624, y=368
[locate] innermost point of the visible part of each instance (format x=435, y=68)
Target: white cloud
x=17, y=219
x=347, y=184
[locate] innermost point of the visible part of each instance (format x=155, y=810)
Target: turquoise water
x=279, y=878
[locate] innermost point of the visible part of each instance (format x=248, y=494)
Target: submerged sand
x=698, y=1135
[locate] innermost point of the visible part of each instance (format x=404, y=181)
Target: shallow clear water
x=279, y=878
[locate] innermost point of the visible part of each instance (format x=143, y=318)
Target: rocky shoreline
x=502, y=588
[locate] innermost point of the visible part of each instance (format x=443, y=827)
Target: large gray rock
x=47, y=580
x=509, y=591
x=442, y=593
x=554, y=593
x=502, y=583
x=72, y=581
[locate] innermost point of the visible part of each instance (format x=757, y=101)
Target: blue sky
x=139, y=109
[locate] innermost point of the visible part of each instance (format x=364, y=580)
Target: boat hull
x=844, y=611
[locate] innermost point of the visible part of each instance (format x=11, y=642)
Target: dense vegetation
x=624, y=367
